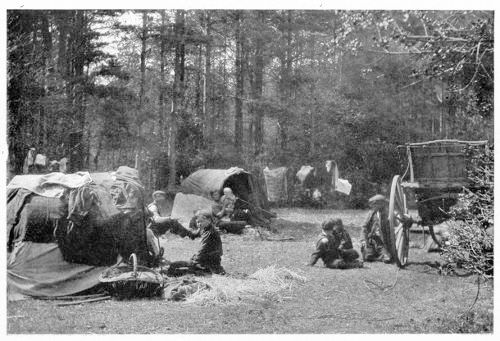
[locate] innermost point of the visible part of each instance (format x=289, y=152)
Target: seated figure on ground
x=230, y=214
x=208, y=258
x=227, y=202
x=217, y=207
x=334, y=247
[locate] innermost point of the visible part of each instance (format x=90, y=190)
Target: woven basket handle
x=133, y=259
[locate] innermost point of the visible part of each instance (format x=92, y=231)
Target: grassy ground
x=379, y=298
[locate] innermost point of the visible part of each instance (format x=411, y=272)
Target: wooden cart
x=437, y=173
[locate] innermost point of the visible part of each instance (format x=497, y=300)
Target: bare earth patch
x=379, y=298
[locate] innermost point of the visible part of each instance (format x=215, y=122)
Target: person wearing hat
x=334, y=247
x=374, y=231
x=159, y=207
x=208, y=257
x=161, y=222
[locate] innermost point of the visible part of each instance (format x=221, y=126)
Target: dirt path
x=377, y=299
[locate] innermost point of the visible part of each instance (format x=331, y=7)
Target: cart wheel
x=399, y=235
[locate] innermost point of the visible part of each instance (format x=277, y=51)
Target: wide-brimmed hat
x=155, y=193
x=377, y=198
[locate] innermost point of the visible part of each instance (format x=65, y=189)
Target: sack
x=343, y=186
x=276, y=184
x=40, y=160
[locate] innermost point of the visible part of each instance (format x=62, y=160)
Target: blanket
x=52, y=185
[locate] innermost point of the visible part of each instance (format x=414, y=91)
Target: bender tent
x=63, y=230
x=205, y=182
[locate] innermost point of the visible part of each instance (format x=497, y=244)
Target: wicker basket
x=132, y=281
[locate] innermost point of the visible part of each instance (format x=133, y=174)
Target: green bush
x=471, y=241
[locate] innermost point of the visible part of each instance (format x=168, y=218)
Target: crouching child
x=208, y=258
x=374, y=232
x=334, y=247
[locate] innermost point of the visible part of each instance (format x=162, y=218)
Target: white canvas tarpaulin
x=186, y=204
x=332, y=168
x=276, y=184
x=304, y=172
x=343, y=186
x=50, y=185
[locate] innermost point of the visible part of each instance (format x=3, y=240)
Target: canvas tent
x=63, y=230
x=205, y=182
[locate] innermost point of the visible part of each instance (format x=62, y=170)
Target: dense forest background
x=170, y=91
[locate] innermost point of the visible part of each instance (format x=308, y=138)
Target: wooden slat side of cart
x=440, y=164
x=438, y=172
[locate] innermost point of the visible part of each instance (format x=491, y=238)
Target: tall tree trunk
x=144, y=35
x=223, y=91
x=207, y=83
x=162, y=87
x=177, y=95
x=139, y=120
x=37, y=130
x=63, y=20
x=248, y=71
x=257, y=89
x=238, y=117
x=285, y=84
x=312, y=106
x=62, y=42
x=46, y=60
x=198, y=99
x=19, y=29
x=65, y=25
x=78, y=45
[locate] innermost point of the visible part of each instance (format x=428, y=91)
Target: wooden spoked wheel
x=399, y=235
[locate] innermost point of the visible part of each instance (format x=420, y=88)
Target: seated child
x=374, y=238
x=334, y=247
x=208, y=258
x=227, y=202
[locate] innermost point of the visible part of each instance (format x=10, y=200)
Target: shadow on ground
x=297, y=230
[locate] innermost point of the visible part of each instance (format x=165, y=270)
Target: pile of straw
x=264, y=284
